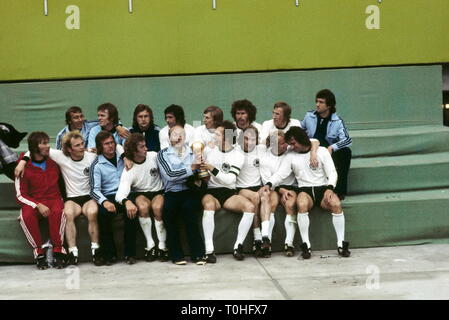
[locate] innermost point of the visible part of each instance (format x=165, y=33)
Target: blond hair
x=67, y=140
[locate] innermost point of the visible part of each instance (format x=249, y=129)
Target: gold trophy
x=198, y=148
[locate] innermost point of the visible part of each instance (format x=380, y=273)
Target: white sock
x=161, y=234
x=338, y=219
x=290, y=229
x=208, y=229
x=272, y=221
x=257, y=234
x=244, y=226
x=145, y=223
x=74, y=250
x=266, y=229
x=303, y=224
x=94, y=246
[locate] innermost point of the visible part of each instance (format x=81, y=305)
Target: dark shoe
x=163, y=255
x=59, y=260
x=180, y=262
x=109, y=261
x=257, y=248
x=41, y=262
x=344, y=252
x=72, y=260
x=130, y=260
x=211, y=258
x=306, y=254
x=97, y=259
x=151, y=255
x=289, y=250
x=266, y=247
x=238, y=253
x=199, y=261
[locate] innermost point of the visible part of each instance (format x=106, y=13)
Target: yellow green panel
x=164, y=37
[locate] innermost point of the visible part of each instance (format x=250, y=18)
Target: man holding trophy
x=177, y=163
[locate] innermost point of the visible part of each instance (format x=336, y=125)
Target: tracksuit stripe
x=19, y=195
x=27, y=232
x=166, y=167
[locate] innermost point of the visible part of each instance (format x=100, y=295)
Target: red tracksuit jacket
x=38, y=185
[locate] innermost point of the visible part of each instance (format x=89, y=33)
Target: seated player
x=244, y=114
x=108, y=120
x=174, y=115
x=315, y=187
x=39, y=197
x=105, y=174
x=270, y=163
x=143, y=122
x=212, y=116
x=281, y=120
x=249, y=184
x=223, y=164
x=141, y=190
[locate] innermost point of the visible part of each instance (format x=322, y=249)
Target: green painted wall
x=187, y=36
x=366, y=98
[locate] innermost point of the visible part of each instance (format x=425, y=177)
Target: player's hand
x=109, y=206
x=265, y=188
x=313, y=160
x=195, y=166
x=93, y=150
x=43, y=210
x=206, y=166
x=330, y=149
x=329, y=195
x=128, y=163
x=286, y=195
x=131, y=209
x=123, y=132
x=20, y=169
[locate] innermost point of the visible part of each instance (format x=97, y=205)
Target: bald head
x=177, y=135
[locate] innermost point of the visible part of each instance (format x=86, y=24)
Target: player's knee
x=256, y=199
x=249, y=207
x=209, y=205
x=69, y=215
x=157, y=208
x=303, y=205
x=143, y=207
x=91, y=213
x=335, y=206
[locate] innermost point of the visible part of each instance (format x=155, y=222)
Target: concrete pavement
x=408, y=272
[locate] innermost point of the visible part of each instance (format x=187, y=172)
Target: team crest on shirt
x=256, y=163
x=225, y=167
x=154, y=172
x=86, y=171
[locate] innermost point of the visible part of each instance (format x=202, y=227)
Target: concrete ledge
x=387, y=219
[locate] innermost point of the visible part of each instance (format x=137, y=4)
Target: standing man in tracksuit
x=326, y=126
